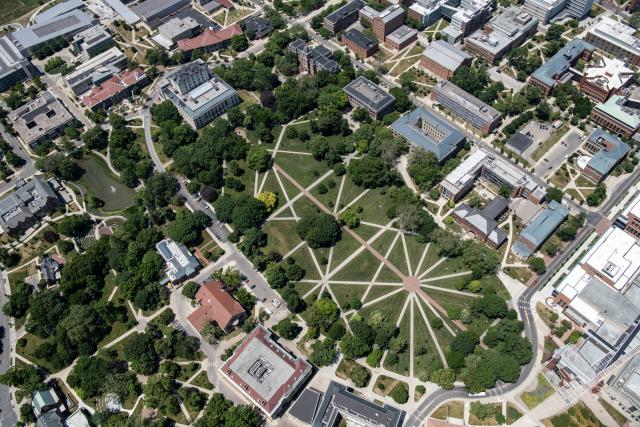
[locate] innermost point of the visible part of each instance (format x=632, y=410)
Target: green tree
x=190, y=289
x=444, y=378
x=323, y=352
x=399, y=393
x=360, y=376
x=537, y=264
x=287, y=329
x=95, y=138
x=259, y=159
x=74, y=225
x=319, y=230
x=322, y=314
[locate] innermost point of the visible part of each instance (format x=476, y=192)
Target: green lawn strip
x=322, y=255
x=415, y=250
x=375, y=207
x=303, y=207
x=574, y=193
x=311, y=298
x=488, y=421
x=344, y=293
x=379, y=290
x=430, y=259
x=26, y=347
x=449, y=266
x=304, y=169
x=247, y=179
x=366, y=231
x=422, y=368
x=449, y=300
x=615, y=414
x=329, y=197
x=443, y=336
x=582, y=181
x=109, y=286
x=281, y=235
x=383, y=242
x=349, y=192
x=453, y=409
x=303, y=287
x=494, y=283
x=304, y=260
x=388, y=275
x=187, y=371
x=361, y=268
x=390, y=307
x=343, y=249
x=445, y=283
x=119, y=346
x=577, y=415
x=513, y=414
x=295, y=144
x=542, y=391
x=398, y=259
x=202, y=380
x=402, y=366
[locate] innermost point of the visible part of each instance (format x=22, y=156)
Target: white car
x=276, y=303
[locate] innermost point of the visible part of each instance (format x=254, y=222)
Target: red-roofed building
x=216, y=304
x=265, y=372
x=116, y=88
x=226, y=4
x=210, y=40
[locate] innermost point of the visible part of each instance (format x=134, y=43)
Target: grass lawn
x=304, y=287
x=202, y=380
x=330, y=186
x=384, y=385
x=303, y=258
x=402, y=65
x=402, y=366
x=384, y=240
x=361, y=268
x=303, y=207
x=26, y=347
x=366, y=231
x=397, y=258
x=344, y=293
x=344, y=368
x=349, y=192
x=109, y=286
x=375, y=207
x=377, y=291
x=304, y=169
x=13, y=9
x=577, y=415
x=119, y=346
x=281, y=235
x=542, y=391
x=521, y=274
x=187, y=371
x=423, y=342
x=389, y=307
x=488, y=421
x=247, y=97
x=453, y=409
x=449, y=266
x=449, y=300
x=415, y=250
x=559, y=179
x=512, y=414
x=581, y=181
x=343, y=249
x=443, y=336
x=615, y=414
x=248, y=180
x=574, y=194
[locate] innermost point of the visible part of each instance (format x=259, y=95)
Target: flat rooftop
x=37, y=118
x=446, y=54
x=560, y=63
x=401, y=34
x=360, y=39
x=10, y=57
x=150, y=8
x=351, y=7
x=58, y=26
x=506, y=29
x=264, y=371
x=617, y=33
x=608, y=73
x=57, y=10
x=369, y=94
x=616, y=257
x=465, y=172
x=467, y=101
x=617, y=107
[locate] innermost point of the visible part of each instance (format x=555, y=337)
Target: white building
x=616, y=39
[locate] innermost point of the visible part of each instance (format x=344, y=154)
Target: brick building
x=387, y=21
x=443, y=59
x=359, y=43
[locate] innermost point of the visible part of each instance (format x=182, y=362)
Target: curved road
x=525, y=311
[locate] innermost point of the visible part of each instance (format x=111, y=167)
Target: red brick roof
x=226, y=4
x=210, y=37
x=287, y=386
x=113, y=86
x=215, y=304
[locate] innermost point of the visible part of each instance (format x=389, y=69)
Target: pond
x=103, y=184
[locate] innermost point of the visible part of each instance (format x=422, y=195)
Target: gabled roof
x=113, y=86
x=541, y=227
x=216, y=304
x=604, y=160
x=209, y=37
x=559, y=63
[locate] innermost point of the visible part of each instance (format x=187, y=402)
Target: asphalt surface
x=7, y=415
x=558, y=153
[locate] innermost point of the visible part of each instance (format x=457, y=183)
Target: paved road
x=559, y=153
x=7, y=415
x=262, y=289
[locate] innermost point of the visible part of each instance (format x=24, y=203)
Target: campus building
x=427, y=130
x=180, y=263
x=199, y=95
x=368, y=95
x=556, y=70
x=499, y=173
x=387, y=21
x=210, y=40
x=14, y=67
x=629, y=219
x=177, y=29
x=44, y=117
x=466, y=107
x=92, y=41
x=216, y=304
x=400, y=38
x=540, y=229
x=623, y=390
x=57, y=10
x=616, y=39
x=265, y=372
x=503, y=33
x=95, y=71
x=343, y=17
x=443, y=59
x=606, y=152
x=460, y=180
x=339, y=405
x=465, y=16
x=26, y=205
x=547, y=10
x=483, y=222
x=360, y=44
x=123, y=11
x=604, y=77
x=619, y=114
x=115, y=89
x=257, y=27
x=313, y=59
x=152, y=11
x=29, y=39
